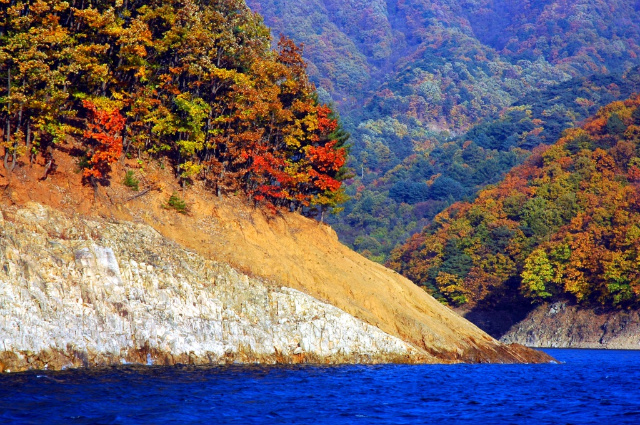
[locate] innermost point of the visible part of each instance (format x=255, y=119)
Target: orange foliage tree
x=103, y=139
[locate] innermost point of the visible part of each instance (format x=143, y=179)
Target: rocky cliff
x=85, y=292
x=108, y=276
x=564, y=325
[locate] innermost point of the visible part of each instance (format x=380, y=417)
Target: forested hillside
x=450, y=62
x=384, y=211
x=192, y=84
x=410, y=78
x=438, y=103
x=117, y=116
x=564, y=225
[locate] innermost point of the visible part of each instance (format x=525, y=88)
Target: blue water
x=589, y=387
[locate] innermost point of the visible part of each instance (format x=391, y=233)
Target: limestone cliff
x=563, y=325
x=84, y=292
x=111, y=275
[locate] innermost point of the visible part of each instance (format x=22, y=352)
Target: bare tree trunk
x=96, y=189
x=9, y=166
x=49, y=158
x=28, y=139
x=125, y=149
x=8, y=130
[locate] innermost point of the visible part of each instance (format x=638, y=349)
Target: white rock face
x=560, y=325
x=100, y=292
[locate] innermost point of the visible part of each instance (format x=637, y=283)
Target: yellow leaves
x=52, y=35
x=86, y=57
x=61, y=6
x=292, y=141
x=141, y=73
x=553, y=154
x=39, y=7
x=135, y=38
x=611, y=108
x=570, y=134
x=536, y=275
x=190, y=169
x=461, y=228
x=298, y=132
x=451, y=286
x=633, y=133
x=229, y=76
x=620, y=108
x=617, y=268
x=448, y=280
x=576, y=283
x=632, y=237
x=309, y=122
x=117, y=95
x=108, y=104
x=93, y=18
x=297, y=172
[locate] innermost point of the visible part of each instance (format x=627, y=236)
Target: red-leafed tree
x=103, y=140
x=194, y=83
x=327, y=157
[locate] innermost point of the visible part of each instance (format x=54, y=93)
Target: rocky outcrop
x=115, y=281
x=276, y=250
x=77, y=292
x=564, y=325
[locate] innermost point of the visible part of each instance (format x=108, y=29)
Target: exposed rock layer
x=78, y=292
x=84, y=292
x=567, y=326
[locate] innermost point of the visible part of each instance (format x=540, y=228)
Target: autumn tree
x=103, y=139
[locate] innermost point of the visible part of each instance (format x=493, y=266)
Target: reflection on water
x=590, y=386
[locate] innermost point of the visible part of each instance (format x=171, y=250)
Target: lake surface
x=589, y=387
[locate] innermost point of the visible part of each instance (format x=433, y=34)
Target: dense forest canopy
x=194, y=82
x=564, y=225
x=386, y=210
x=459, y=58
x=412, y=77
x=442, y=97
